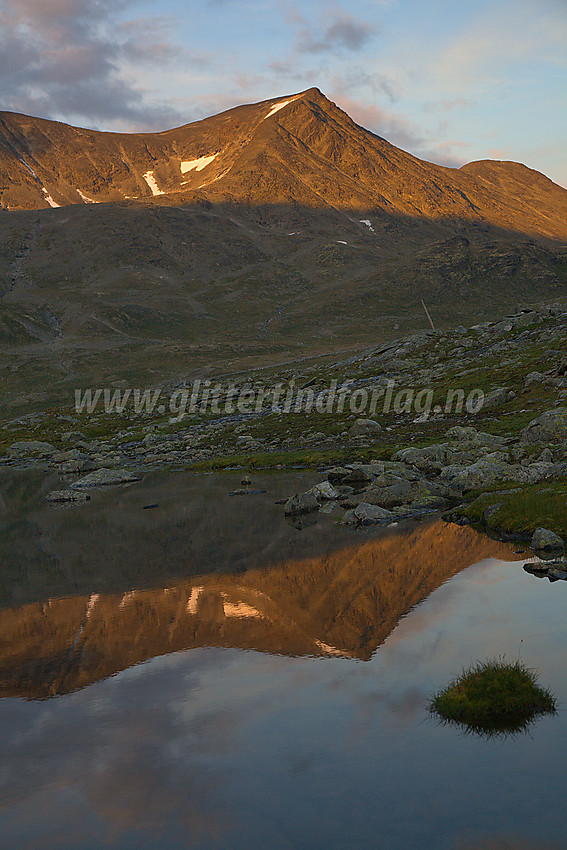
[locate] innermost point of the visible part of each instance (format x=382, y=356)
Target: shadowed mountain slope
x=261, y=235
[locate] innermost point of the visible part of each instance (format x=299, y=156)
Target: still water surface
x=205, y=674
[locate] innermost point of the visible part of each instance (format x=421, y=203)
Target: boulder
x=357, y=474
x=301, y=503
x=468, y=438
x=430, y=503
x=337, y=474
x=550, y=427
x=72, y=437
x=497, y=398
x=483, y=473
x=389, y=497
x=490, y=511
x=325, y=491
x=365, y=428
x=371, y=514
x=427, y=459
x=544, y=540
x=30, y=448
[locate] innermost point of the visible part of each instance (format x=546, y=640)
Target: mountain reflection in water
x=343, y=603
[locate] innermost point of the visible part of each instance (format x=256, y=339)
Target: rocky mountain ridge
x=299, y=149
x=279, y=231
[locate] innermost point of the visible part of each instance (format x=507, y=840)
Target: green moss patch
x=493, y=697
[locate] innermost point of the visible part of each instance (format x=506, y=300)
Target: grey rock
x=389, y=497
x=533, y=378
x=67, y=496
x=427, y=459
x=72, y=437
x=301, y=503
x=357, y=474
x=430, y=503
x=35, y=448
x=497, y=398
x=483, y=473
x=325, y=492
x=371, y=514
x=365, y=428
x=349, y=518
x=490, y=511
x=544, y=540
x=550, y=427
x=337, y=474
x=106, y=478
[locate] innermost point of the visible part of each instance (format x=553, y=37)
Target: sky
x=448, y=81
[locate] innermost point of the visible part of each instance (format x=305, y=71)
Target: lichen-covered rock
x=483, y=473
x=30, y=448
x=325, y=491
x=337, y=474
x=302, y=503
x=550, y=427
x=397, y=493
x=544, y=540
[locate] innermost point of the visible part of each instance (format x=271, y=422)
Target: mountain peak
x=298, y=148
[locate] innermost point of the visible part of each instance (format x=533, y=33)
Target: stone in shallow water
x=325, y=491
x=67, y=496
x=545, y=540
x=302, y=503
x=106, y=478
x=370, y=514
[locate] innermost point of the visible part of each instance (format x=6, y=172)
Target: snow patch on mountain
x=197, y=164
x=277, y=106
x=85, y=198
x=49, y=199
x=240, y=609
x=367, y=223
x=150, y=180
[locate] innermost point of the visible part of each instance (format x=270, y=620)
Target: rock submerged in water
x=60, y=496
x=106, y=478
x=302, y=503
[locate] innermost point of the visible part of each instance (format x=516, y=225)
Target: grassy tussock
x=493, y=697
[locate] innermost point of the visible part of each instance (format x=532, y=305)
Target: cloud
x=69, y=59
x=334, y=33
x=498, y=40
x=447, y=105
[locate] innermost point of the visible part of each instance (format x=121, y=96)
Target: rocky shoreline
x=380, y=469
